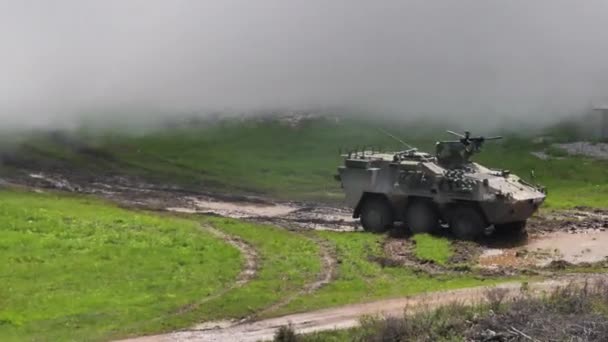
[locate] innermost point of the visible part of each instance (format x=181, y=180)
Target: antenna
x=456, y=134
x=394, y=137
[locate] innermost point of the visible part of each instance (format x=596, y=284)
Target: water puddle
x=235, y=209
x=573, y=248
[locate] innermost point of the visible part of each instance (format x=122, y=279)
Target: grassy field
x=299, y=162
x=81, y=269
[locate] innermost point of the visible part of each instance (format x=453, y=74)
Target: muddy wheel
x=466, y=223
x=511, y=227
x=421, y=218
x=376, y=215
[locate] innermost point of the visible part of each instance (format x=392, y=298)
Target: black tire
x=376, y=215
x=466, y=222
x=511, y=227
x=421, y=217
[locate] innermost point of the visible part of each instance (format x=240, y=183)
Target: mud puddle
x=240, y=209
x=290, y=215
x=573, y=248
x=504, y=258
x=542, y=250
x=573, y=236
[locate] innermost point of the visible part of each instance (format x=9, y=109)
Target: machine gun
x=472, y=144
x=457, y=153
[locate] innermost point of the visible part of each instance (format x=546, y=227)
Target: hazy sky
x=67, y=59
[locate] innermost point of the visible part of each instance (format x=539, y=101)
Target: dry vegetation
x=571, y=313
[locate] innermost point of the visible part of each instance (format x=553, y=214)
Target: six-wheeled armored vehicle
x=426, y=191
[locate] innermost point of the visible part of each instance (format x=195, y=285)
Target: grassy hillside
x=274, y=158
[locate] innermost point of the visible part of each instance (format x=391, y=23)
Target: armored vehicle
x=427, y=191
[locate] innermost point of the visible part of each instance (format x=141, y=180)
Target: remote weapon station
x=427, y=192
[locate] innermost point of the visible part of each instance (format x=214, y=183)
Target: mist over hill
x=481, y=64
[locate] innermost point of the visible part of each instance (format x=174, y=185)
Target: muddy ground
x=554, y=239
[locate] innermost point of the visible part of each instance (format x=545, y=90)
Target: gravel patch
x=585, y=148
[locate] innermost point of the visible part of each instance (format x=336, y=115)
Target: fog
x=64, y=62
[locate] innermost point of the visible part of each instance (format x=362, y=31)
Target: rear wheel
x=466, y=222
x=421, y=217
x=376, y=215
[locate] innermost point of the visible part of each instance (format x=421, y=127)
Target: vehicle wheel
x=376, y=215
x=466, y=223
x=421, y=218
x=511, y=227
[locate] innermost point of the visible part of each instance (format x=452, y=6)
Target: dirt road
x=348, y=316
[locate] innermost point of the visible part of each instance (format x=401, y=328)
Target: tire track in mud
x=247, y=273
x=328, y=272
x=250, y=254
x=349, y=316
x=327, y=254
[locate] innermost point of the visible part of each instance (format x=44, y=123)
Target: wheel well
x=367, y=196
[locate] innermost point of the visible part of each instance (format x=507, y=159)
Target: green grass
x=81, y=269
x=299, y=163
x=361, y=279
x=432, y=248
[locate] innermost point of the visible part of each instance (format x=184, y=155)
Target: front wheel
x=466, y=223
x=376, y=215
